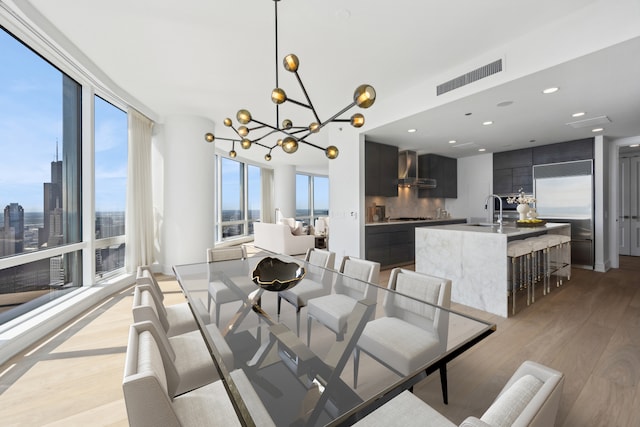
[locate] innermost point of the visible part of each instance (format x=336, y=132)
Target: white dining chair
x=219, y=292
x=351, y=286
x=411, y=333
x=317, y=282
x=148, y=399
x=175, y=319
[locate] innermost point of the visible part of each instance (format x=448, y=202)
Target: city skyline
x=31, y=132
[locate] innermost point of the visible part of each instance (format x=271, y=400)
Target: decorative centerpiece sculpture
x=273, y=274
x=524, y=202
x=528, y=214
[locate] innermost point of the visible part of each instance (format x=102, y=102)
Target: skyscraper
x=13, y=231
x=52, y=230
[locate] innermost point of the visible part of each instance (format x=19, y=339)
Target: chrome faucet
x=486, y=206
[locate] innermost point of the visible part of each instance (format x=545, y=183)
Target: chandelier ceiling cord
x=364, y=96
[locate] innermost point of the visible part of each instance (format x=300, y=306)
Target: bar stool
x=539, y=264
x=519, y=252
x=559, y=245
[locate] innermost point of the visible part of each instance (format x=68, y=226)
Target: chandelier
x=291, y=136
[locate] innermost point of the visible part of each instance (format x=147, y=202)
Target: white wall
x=346, y=194
x=186, y=217
x=475, y=183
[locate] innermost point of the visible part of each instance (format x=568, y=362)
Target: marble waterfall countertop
x=430, y=222
x=510, y=230
x=474, y=258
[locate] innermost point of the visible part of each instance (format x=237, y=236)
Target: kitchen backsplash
x=407, y=204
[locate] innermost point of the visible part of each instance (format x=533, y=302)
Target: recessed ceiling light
x=579, y=114
x=468, y=114
x=634, y=145
x=532, y=140
x=597, y=130
x=482, y=149
x=550, y=90
x=504, y=103
x=453, y=141
x=487, y=123
x=411, y=130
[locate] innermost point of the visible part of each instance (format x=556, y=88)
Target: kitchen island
x=392, y=243
x=474, y=258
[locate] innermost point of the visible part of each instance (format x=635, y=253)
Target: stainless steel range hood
x=408, y=172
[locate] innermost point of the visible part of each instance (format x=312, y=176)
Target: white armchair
x=529, y=399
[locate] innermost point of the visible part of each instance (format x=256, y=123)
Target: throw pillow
x=291, y=222
x=299, y=229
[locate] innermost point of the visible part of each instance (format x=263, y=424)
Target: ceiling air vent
x=470, y=77
x=595, y=121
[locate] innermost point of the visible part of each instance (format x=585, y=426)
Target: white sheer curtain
x=267, y=209
x=139, y=211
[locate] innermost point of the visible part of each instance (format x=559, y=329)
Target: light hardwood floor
x=589, y=329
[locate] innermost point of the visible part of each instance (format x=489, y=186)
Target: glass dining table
x=300, y=380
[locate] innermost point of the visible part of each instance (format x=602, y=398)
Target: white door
x=634, y=204
x=624, y=220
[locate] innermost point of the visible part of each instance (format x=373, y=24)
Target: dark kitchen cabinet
x=380, y=169
x=394, y=244
x=580, y=149
x=444, y=170
x=512, y=171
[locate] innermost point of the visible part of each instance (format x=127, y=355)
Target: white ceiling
x=212, y=57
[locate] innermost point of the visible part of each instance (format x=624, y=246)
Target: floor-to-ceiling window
x=40, y=180
x=312, y=197
x=238, y=198
x=303, y=198
x=110, y=171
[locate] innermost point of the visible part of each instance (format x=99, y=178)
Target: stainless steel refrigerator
x=564, y=193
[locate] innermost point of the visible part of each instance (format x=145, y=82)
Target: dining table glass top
x=305, y=380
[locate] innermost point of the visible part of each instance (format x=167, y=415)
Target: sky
x=31, y=124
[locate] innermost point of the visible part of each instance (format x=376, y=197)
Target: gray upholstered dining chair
x=219, y=292
x=175, y=319
x=188, y=356
x=351, y=286
x=147, y=383
x=411, y=333
x=316, y=283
